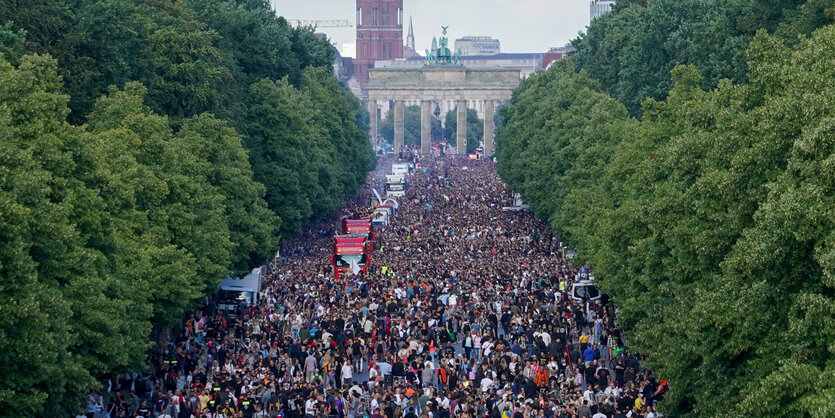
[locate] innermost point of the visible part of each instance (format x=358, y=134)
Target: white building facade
x=477, y=45
x=599, y=8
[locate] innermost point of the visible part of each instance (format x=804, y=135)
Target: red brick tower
x=379, y=34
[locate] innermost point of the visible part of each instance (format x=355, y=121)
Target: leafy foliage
x=475, y=128
x=114, y=226
x=411, y=126
x=709, y=219
x=632, y=50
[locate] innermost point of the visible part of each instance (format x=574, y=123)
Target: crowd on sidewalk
x=464, y=312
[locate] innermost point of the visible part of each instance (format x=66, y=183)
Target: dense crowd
x=464, y=312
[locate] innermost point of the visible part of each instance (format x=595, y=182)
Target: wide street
x=460, y=309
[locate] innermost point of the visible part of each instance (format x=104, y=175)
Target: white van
x=584, y=288
x=235, y=290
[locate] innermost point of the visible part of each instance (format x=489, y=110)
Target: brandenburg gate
x=442, y=78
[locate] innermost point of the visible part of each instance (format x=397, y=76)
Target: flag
x=355, y=267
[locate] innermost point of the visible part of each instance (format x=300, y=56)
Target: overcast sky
x=520, y=25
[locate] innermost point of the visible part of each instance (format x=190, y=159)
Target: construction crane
x=321, y=23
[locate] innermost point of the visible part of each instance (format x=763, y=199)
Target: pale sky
x=520, y=25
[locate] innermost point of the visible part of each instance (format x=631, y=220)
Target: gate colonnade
x=432, y=84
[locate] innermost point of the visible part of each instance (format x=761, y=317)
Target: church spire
x=410, y=39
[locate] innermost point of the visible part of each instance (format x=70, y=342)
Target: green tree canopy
x=632, y=50
x=150, y=149
x=411, y=126
x=475, y=129
x=709, y=220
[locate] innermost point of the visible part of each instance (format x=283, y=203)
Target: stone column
x=372, y=113
x=399, y=132
x=489, y=108
x=461, y=128
x=425, y=127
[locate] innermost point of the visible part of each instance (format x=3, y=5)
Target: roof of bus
x=350, y=239
x=357, y=221
x=350, y=249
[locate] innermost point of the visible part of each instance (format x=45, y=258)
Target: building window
x=359, y=17
x=400, y=17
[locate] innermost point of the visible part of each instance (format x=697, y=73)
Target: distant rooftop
x=499, y=56
x=476, y=38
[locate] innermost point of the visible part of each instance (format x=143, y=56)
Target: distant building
x=526, y=63
x=409, y=49
x=600, y=7
x=478, y=45
x=339, y=70
x=379, y=34
x=555, y=54
x=565, y=49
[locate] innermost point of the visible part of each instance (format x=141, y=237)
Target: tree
x=411, y=126
x=278, y=133
x=708, y=220
x=186, y=214
x=632, y=50
x=251, y=224
x=475, y=129
x=11, y=43
x=119, y=225
x=66, y=316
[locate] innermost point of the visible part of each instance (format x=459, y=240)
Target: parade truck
x=400, y=169
x=384, y=212
x=381, y=216
x=240, y=291
x=350, y=254
x=360, y=226
x=395, y=185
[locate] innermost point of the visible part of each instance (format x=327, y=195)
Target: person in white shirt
x=486, y=382
x=372, y=377
x=588, y=394
x=613, y=390
x=310, y=407
x=347, y=373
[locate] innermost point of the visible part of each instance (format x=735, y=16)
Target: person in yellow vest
x=384, y=270
x=562, y=286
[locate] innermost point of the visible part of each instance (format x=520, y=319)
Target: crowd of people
x=464, y=311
